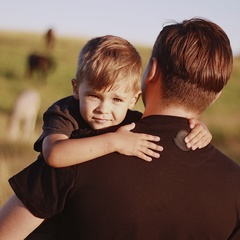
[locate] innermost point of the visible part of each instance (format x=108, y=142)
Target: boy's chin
x=102, y=126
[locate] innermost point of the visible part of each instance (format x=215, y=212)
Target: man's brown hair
x=195, y=59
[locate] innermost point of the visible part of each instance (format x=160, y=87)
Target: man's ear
x=75, y=88
x=153, y=69
x=217, y=96
x=135, y=99
x=150, y=72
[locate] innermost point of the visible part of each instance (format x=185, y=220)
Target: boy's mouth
x=101, y=120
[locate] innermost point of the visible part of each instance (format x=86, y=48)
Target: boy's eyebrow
x=92, y=91
x=120, y=96
x=97, y=92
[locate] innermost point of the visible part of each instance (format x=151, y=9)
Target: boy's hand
x=199, y=136
x=137, y=144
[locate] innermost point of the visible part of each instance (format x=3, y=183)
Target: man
x=184, y=195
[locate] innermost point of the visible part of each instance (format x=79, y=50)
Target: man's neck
x=170, y=111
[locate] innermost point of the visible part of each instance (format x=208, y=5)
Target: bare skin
x=14, y=212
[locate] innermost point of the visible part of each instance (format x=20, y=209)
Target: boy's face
x=101, y=109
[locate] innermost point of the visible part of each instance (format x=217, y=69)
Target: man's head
x=107, y=81
x=195, y=60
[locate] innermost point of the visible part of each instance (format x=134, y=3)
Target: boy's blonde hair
x=104, y=62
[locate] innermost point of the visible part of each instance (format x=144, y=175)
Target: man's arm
x=16, y=221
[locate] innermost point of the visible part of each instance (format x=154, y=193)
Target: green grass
x=222, y=118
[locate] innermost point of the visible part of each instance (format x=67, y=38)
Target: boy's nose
x=103, y=107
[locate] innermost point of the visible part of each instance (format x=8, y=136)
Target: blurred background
x=137, y=21
x=39, y=45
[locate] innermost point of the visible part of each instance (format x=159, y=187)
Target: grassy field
x=222, y=118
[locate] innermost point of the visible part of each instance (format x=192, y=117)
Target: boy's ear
x=135, y=99
x=75, y=88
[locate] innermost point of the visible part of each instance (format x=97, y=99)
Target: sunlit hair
x=195, y=58
x=105, y=62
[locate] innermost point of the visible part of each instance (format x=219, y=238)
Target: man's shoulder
x=132, y=116
x=224, y=162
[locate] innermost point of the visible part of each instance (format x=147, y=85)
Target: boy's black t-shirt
x=64, y=117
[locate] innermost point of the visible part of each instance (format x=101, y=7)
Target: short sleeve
x=43, y=189
x=61, y=118
x=57, y=121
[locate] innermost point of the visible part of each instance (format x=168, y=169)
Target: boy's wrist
x=111, y=142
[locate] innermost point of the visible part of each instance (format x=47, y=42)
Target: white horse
x=24, y=115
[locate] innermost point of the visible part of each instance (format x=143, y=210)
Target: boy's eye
x=117, y=100
x=92, y=96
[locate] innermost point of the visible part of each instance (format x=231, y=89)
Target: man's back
x=182, y=195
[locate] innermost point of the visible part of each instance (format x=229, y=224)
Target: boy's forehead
x=123, y=87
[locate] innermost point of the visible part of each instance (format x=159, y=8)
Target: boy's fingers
x=154, y=154
x=153, y=146
x=151, y=152
x=203, y=142
x=150, y=137
x=143, y=156
x=148, y=154
x=128, y=127
x=146, y=158
x=192, y=135
x=192, y=123
x=196, y=140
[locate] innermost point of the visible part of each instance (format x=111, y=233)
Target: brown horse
x=41, y=65
x=50, y=39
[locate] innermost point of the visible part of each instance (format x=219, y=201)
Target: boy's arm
x=16, y=221
x=199, y=136
x=60, y=151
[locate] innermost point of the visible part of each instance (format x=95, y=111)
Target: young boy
x=106, y=87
